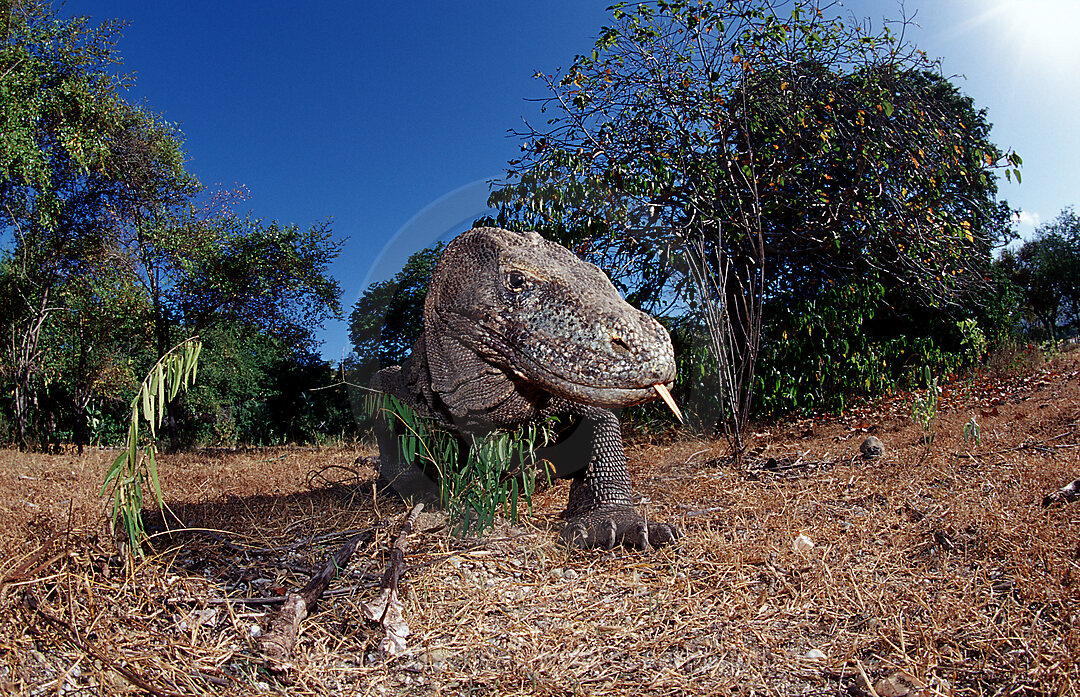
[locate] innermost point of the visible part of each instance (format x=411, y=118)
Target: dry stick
x=27, y=569
x=396, y=568
x=276, y=645
x=1067, y=493
x=387, y=599
x=1027, y=445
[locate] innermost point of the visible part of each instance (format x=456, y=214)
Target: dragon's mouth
x=647, y=389
x=627, y=382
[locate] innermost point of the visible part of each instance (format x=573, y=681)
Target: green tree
x=202, y=264
x=73, y=155
x=94, y=344
x=728, y=154
x=1046, y=269
x=261, y=390
x=389, y=317
x=112, y=253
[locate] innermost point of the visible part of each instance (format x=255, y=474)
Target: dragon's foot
x=621, y=526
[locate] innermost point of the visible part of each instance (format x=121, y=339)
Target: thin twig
x=68, y=633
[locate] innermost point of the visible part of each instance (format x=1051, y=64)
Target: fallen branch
x=30, y=566
x=1067, y=493
x=276, y=645
x=1039, y=445
x=386, y=608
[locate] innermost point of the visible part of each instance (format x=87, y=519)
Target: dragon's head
x=531, y=308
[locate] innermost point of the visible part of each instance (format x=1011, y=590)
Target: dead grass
x=938, y=573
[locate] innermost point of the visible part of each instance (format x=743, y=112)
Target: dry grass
x=939, y=571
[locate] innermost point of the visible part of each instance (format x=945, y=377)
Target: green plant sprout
x=972, y=432
x=130, y=475
x=924, y=408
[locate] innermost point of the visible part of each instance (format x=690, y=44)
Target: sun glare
x=1043, y=33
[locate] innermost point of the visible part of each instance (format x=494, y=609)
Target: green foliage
x=477, y=479
x=973, y=342
x=499, y=472
x=739, y=159
x=856, y=341
x=389, y=317
x=260, y=390
x=74, y=159
x=972, y=431
x=687, y=116
x=820, y=354
x=59, y=106
x=1046, y=272
x=110, y=252
x=214, y=263
x=130, y=475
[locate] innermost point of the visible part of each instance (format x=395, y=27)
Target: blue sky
x=389, y=118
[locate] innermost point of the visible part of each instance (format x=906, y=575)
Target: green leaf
x=195, y=360
x=176, y=370
x=147, y=406
x=118, y=465
x=159, y=379
x=151, y=466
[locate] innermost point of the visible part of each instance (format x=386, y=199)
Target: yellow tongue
x=669, y=400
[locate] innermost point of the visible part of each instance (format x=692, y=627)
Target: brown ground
x=936, y=573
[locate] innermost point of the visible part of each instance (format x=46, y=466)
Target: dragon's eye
x=515, y=280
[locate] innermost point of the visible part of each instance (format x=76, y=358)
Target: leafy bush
x=496, y=473
x=856, y=341
x=261, y=391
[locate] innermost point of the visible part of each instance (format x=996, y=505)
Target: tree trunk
x=25, y=354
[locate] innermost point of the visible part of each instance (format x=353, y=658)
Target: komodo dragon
x=517, y=329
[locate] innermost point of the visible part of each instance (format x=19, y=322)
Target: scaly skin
x=517, y=328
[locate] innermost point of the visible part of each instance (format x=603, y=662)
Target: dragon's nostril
x=620, y=344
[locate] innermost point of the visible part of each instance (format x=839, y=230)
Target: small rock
x=815, y=655
x=435, y=657
x=802, y=543
x=208, y=616
x=569, y=574
x=255, y=631
x=872, y=448
x=898, y=684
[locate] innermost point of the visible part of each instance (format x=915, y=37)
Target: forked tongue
x=669, y=400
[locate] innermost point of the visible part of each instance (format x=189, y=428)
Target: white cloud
x=1027, y=220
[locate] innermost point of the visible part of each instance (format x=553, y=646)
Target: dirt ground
x=803, y=570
